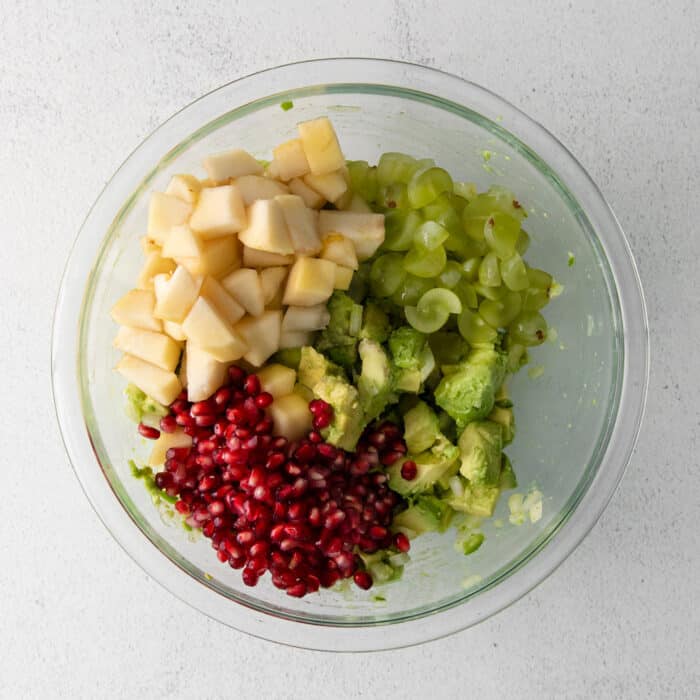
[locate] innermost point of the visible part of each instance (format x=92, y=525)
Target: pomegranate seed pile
x=299, y=510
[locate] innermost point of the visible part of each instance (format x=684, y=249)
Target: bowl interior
x=563, y=416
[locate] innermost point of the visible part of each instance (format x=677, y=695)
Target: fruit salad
x=319, y=350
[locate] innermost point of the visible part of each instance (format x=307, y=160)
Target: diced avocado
x=448, y=348
x=477, y=499
x=447, y=426
x=359, y=286
x=406, y=345
x=468, y=394
x=508, y=479
x=375, y=323
x=420, y=428
x=313, y=367
x=337, y=339
x=379, y=564
x=343, y=355
x=472, y=543
x=480, y=446
x=375, y=381
x=348, y=418
x=407, y=380
x=140, y=405
x=427, y=514
x=289, y=357
x=504, y=417
x=427, y=363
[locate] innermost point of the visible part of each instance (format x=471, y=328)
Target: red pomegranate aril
x=264, y=427
x=409, y=470
x=321, y=421
x=216, y=507
x=327, y=451
x=363, y=579
x=222, y=396
x=168, y=424
x=245, y=537
x=205, y=447
x=205, y=421
x=388, y=458
x=184, y=419
x=263, y=400
x=182, y=507
x=164, y=480
x=250, y=577
x=329, y=578
x=261, y=493
x=202, y=408
x=305, y=453
x=401, y=542
x=251, y=385
x=208, y=529
x=296, y=511
x=315, y=437
x=334, y=519
x=299, y=487
x=292, y=468
x=274, y=461
x=298, y=590
x=315, y=518
x=208, y=483
x=277, y=533
x=377, y=532
x=148, y=432
x=236, y=562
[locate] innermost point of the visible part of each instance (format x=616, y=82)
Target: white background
x=82, y=83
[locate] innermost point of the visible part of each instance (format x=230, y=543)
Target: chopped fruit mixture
x=318, y=349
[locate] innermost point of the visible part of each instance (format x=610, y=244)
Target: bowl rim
x=540, y=561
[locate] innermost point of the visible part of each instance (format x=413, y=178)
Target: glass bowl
x=577, y=422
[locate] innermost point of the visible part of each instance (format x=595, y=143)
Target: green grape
x=494, y=293
x=466, y=293
x=489, y=274
x=363, y=179
x=395, y=167
x=458, y=203
x=474, y=225
x=500, y=313
x=387, y=274
x=501, y=234
x=412, y=289
x=523, y=242
x=539, y=278
x=393, y=196
x=427, y=185
x=534, y=299
x=474, y=329
x=496, y=199
x=470, y=268
x=437, y=207
x=426, y=321
x=466, y=190
x=422, y=262
x=514, y=273
x=464, y=247
x=451, y=274
x=528, y=329
x=400, y=226
x=430, y=235
x=435, y=300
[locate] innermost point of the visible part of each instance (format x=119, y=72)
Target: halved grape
x=494, y=293
x=466, y=293
x=500, y=313
x=428, y=321
x=437, y=207
x=427, y=185
x=451, y=274
x=436, y=299
x=523, y=242
x=412, y=289
x=387, y=274
x=465, y=189
x=458, y=203
x=501, y=232
x=363, y=179
x=422, y=262
x=534, y=299
x=514, y=273
x=489, y=273
x=395, y=167
x=496, y=199
x=393, y=196
x=474, y=225
x=430, y=235
x=470, y=268
x=539, y=278
x=528, y=329
x=474, y=329
x=464, y=247
x=400, y=226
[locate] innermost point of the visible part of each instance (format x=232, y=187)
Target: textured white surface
x=81, y=83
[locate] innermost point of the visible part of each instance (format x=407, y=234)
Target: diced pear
x=290, y=416
x=158, y=383
x=302, y=224
x=339, y=249
x=305, y=318
x=311, y=198
x=164, y=212
x=358, y=204
x=321, y=146
x=224, y=303
x=310, y=282
x=343, y=277
x=136, y=309
x=166, y=441
x=205, y=374
x=261, y=335
x=255, y=187
x=155, y=264
x=220, y=211
x=295, y=339
x=277, y=380
x=290, y=160
x=272, y=283
x=175, y=295
x=331, y=186
x=174, y=330
x=261, y=258
x=205, y=326
x=223, y=166
x=245, y=287
x=185, y=187
x=366, y=231
x=267, y=229
x=157, y=348
x=272, y=171
x=148, y=245
x=219, y=257
x=182, y=242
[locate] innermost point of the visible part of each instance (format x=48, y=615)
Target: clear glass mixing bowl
x=577, y=423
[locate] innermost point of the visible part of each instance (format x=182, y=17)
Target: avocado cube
x=505, y=418
x=480, y=445
x=508, y=480
x=478, y=500
x=420, y=428
x=375, y=324
x=406, y=345
x=375, y=380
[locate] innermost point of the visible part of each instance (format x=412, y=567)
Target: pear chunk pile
x=241, y=264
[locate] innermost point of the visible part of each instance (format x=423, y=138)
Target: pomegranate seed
x=321, y=421
x=263, y=400
x=377, y=532
x=202, y=408
x=401, y=542
x=182, y=507
x=264, y=427
x=305, y=453
x=334, y=519
x=274, y=461
x=363, y=579
x=252, y=385
x=298, y=590
x=390, y=457
x=208, y=483
x=148, y=432
x=222, y=396
x=168, y=424
x=315, y=437
x=329, y=578
x=409, y=470
x=250, y=577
